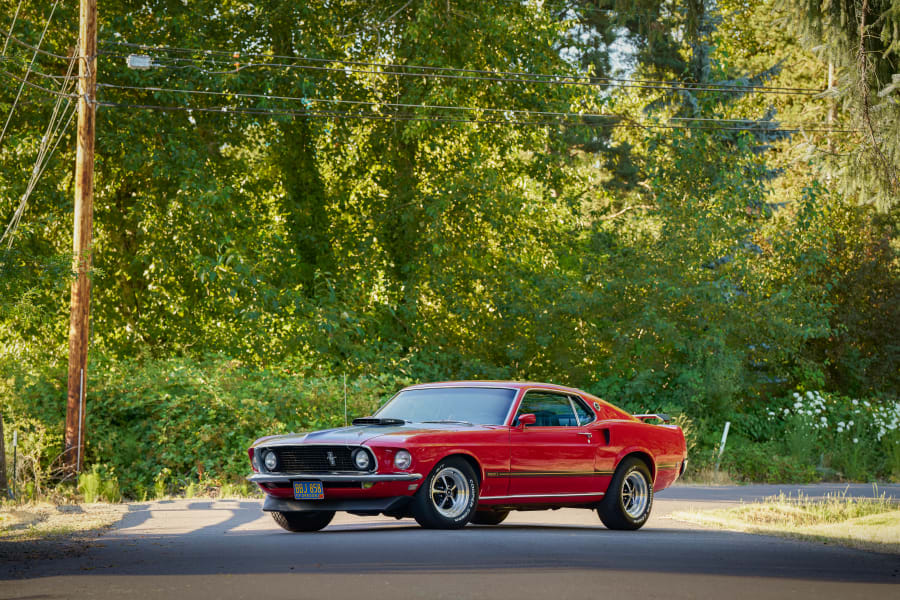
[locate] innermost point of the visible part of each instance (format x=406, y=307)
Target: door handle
x=587, y=433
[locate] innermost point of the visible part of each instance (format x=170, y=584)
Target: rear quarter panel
x=664, y=444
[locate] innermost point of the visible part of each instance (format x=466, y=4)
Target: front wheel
x=629, y=498
x=304, y=520
x=447, y=498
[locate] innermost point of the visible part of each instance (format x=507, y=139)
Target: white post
x=80, y=421
x=345, y=399
x=722, y=444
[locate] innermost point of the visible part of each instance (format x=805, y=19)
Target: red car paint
x=530, y=466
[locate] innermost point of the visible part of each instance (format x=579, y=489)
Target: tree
x=862, y=39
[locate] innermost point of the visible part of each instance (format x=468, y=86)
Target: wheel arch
x=469, y=458
x=641, y=455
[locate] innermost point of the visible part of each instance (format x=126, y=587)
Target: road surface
x=228, y=549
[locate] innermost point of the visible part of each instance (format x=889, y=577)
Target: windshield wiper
x=452, y=421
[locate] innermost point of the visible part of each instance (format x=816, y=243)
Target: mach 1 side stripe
x=549, y=474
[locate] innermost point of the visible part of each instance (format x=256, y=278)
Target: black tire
x=629, y=498
x=490, y=517
x=435, y=509
x=309, y=520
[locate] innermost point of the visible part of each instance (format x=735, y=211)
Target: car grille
x=313, y=459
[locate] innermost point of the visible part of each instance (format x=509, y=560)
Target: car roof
x=499, y=383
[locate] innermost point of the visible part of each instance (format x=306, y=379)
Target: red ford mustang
x=452, y=453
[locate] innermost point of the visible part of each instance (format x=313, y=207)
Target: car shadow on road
x=401, y=547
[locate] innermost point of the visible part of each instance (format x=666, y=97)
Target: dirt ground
x=48, y=531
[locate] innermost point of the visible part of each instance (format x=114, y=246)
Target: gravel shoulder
x=41, y=531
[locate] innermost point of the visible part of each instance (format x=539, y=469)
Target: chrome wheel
x=635, y=494
x=450, y=492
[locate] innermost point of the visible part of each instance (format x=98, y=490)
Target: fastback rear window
x=477, y=405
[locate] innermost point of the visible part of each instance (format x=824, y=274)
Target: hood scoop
x=377, y=421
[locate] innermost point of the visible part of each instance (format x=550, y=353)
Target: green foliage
x=862, y=41
x=766, y=463
x=99, y=483
x=244, y=264
x=158, y=426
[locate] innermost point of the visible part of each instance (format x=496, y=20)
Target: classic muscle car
x=448, y=454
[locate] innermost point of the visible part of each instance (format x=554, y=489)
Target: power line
x=14, y=62
x=440, y=72
x=36, y=86
x=12, y=26
x=310, y=100
x=18, y=42
x=33, y=58
x=614, y=120
x=56, y=127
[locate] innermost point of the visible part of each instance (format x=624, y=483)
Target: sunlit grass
x=870, y=524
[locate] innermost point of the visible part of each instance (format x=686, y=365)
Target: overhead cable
x=310, y=100
x=24, y=81
x=56, y=128
x=12, y=26
x=230, y=58
x=611, y=120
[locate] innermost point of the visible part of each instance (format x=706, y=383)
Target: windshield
x=475, y=405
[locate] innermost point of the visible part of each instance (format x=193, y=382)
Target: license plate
x=308, y=490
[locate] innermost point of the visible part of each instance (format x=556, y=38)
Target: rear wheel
x=629, y=498
x=304, y=520
x=490, y=517
x=447, y=498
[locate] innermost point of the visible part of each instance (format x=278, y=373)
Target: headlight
x=361, y=460
x=402, y=460
x=271, y=461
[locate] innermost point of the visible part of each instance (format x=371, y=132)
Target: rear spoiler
x=661, y=416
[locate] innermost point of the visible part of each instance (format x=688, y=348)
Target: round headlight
x=402, y=460
x=270, y=460
x=361, y=460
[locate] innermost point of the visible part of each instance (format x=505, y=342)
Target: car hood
x=358, y=434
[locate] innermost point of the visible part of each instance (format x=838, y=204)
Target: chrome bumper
x=351, y=477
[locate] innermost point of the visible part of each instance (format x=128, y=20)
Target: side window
x=551, y=410
x=585, y=415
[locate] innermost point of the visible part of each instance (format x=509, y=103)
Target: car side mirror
x=526, y=419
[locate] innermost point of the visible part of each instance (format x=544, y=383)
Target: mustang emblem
x=330, y=457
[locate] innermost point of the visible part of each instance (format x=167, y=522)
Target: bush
x=99, y=483
x=765, y=463
x=158, y=425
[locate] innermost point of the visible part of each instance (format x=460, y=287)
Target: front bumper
x=332, y=477
x=365, y=506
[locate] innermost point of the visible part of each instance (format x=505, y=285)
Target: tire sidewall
x=642, y=469
x=471, y=481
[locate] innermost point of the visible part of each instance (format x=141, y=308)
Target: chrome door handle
x=587, y=433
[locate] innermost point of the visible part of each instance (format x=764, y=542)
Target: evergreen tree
x=861, y=38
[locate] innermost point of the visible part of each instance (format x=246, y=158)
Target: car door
x=556, y=455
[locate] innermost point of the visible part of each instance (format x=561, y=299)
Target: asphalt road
x=229, y=549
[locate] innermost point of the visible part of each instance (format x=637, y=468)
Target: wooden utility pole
x=79, y=321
